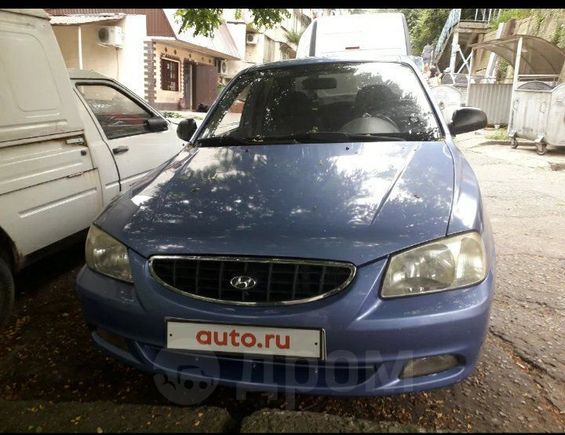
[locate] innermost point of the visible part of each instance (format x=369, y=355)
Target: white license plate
x=261, y=340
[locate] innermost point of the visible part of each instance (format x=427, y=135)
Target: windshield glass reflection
x=329, y=102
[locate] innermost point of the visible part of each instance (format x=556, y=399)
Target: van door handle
x=121, y=149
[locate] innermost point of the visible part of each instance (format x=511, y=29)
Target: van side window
x=117, y=114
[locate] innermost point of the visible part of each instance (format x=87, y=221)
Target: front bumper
x=368, y=340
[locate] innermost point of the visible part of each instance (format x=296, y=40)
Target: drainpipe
x=79, y=34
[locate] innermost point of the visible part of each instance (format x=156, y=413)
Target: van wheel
x=6, y=291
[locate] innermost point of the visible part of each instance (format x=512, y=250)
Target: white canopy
x=538, y=55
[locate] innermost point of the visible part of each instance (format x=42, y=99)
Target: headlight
x=445, y=264
x=106, y=255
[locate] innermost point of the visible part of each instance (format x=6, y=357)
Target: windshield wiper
x=320, y=136
x=338, y=137
x=373, y=137
x=297, y=138
x=383, y=137
x=223, y=140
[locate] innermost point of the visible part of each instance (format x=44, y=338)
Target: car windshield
x=324, y=102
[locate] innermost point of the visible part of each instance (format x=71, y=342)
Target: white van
x=379, y=33
x=68, y=145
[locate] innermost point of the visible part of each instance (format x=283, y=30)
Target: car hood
x=352, y=202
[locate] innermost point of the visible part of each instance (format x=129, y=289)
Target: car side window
x=117, y=113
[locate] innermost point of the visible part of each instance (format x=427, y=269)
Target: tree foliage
x=293, y=37
x=425, y=26
x=206, y=21
x=510, y=14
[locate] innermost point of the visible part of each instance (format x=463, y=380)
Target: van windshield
x=325, y=102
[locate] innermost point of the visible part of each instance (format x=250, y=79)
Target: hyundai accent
x=320, y=232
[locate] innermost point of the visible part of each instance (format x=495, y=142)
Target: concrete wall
x=67, y=37
x=123, y=64
x=238, y=31
x=255, y=53
x=131, y=55
x=235, y=66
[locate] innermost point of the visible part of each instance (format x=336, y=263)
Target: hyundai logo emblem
x=243, y=282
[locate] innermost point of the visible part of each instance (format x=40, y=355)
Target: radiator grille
x=251, y=281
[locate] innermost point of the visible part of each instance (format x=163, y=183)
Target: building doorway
x=188, y=84
x=205, y=81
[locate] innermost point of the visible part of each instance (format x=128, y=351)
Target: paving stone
x=270, y=421
x=102, y=416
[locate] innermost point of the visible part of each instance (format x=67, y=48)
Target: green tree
x=293, y=37
x=510, y=14
x=206, y=21
x=425, y=26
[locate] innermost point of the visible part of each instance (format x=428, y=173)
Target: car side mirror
x=467, y=119
x=186, y=129
x=157, y=124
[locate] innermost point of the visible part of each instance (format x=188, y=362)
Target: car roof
x=354, y=56
x=86, y=74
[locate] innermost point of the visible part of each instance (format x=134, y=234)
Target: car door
x=138, y=136
x=101, y=154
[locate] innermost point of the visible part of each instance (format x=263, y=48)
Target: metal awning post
x=515, y=79
x=454, y=49
x=489, y=73
x=517, y=64
x=472, y=56
x=79, y=34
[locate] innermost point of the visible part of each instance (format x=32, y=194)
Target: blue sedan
x=319, y=233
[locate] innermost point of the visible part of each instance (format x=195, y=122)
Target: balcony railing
x=452, y=20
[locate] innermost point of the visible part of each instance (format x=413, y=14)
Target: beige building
x=144, y=50
x=257, y=46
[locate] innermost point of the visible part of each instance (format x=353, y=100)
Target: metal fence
x=493, y=99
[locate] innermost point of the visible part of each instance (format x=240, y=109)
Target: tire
x=541, y=148
x=6, y=291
